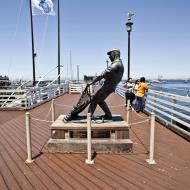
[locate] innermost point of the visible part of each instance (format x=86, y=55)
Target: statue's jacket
x=113, y=74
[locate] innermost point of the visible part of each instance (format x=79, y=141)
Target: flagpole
x=58, y=46
x=32, y=38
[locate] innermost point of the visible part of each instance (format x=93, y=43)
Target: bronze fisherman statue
x=112, y=75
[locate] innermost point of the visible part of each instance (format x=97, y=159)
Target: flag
x=42, y=7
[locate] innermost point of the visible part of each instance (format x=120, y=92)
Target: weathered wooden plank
x=3, y=185
x=15, y=153
x=104, y=174
x=8, y=176
x=20, y=177
x=6, y=116
x=83, y=180
x=146, y=175
x=76, y=162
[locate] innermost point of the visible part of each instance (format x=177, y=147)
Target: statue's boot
x=107, y=117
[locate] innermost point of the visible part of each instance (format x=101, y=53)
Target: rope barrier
x=40, y=151
x=147, y=120
x=48, y=113
x=61, y=105
x=139, y=115
x=136, y=123
x=42, y=120
x=116, y=106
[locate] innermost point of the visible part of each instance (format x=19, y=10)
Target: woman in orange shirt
x=142, y=89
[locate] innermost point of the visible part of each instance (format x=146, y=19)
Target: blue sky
x=160, y=39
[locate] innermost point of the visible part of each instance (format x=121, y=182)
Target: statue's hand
x=88, y=85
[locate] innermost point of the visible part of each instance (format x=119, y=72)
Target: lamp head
x=129, y=25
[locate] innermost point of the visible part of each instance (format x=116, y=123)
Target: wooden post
x=28, y=138
x=52, y=110
x=89, y=143
x=152, y=135
x=127, y=116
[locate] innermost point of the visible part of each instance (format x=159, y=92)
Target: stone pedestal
x=107, y=136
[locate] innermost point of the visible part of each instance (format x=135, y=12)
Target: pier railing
x=24, y=99
x=76, y=87
x=171, y=110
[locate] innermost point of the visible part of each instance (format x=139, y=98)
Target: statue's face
x=112, y=56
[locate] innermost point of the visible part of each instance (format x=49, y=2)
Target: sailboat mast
x=58, y=45
x=71, y=67
x=32, y=38
x=77, y=73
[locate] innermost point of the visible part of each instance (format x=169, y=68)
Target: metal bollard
x=127, y=115
x=28, y=138
x=52, y=110
x=152, y=135
x=89, y=151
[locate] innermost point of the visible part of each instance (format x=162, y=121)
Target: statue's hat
x=113, y=50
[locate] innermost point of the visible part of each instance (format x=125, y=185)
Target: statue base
x=108, y=136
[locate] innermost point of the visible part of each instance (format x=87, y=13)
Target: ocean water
x=179, y=87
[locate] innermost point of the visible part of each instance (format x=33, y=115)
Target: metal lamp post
x=129, y=29
x=59, y=66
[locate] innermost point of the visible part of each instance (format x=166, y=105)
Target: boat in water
x=157, y=81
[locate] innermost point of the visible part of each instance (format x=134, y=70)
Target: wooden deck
x=69, y=171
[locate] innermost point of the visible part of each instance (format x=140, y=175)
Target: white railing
x=76, y=88
x=30, y=98
x=121, y=91
x=173, y=110
x=12, y=96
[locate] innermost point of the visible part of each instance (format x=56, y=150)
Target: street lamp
x=129, y=29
